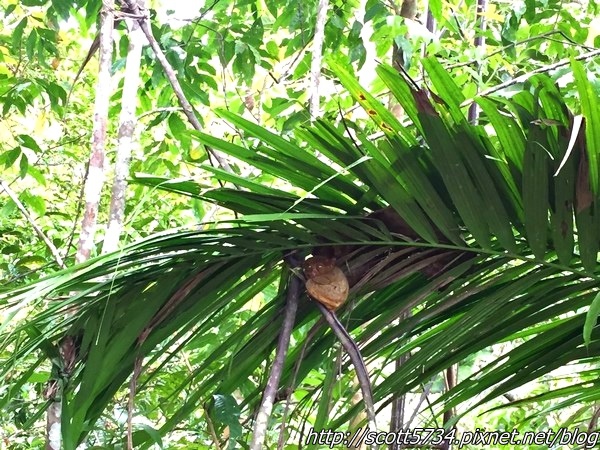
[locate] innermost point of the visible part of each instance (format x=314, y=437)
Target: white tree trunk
x=95, y=176
x=127, y=123
x=317, y=58
x=93, y=188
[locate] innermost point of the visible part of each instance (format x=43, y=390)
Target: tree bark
x=317, y=58
x=127, y=123
x=95, y=176
x=479, y=42
x=93, y=189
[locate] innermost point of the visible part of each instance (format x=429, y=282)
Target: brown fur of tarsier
x=326, y=282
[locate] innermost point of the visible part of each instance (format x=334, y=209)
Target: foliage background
x=250, y=59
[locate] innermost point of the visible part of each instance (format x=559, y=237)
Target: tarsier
x=325, y=282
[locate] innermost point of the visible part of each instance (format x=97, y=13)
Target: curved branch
x=356, y=358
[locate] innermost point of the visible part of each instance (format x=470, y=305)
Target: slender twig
x=93, y=48
x=526, y=76
x=451, y=378
x=592, y=52
x=41, y=155
x=159, y=317
x=473, y=115
x=196, y=21
x=78, y=210
x=309, y=337
x=594, y=420
x=143, y=19
x=211, y=430
x=137, y=369
x=294, y=289
x=33, y=224
x=422, y=398
x=399, y=401
x=159, y=111
x=514, y=44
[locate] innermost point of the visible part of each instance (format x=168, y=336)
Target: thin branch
x=422, y=398
x=93, y=48
x=159, y=111
x=292, y=385
x=294, y=289
x=40, y=155
x=77, y=213
x=399, y=404
x=451, y=379
x=526, y=76
x=137, y=370
x=594, y=420
x=211, y=430
x=143, y=19
x=33, y=224
x=593, y=52
x=514, y=44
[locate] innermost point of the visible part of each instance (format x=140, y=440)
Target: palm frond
x=487, y=233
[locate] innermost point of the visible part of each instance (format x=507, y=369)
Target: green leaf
x=62, y=7
x=384, y=119
x=589, y=101
x=535, y=190
x=446, y=88
x=27, y=141
x=445, y=147
x=508, y=131
x=591, y=318
x=35, y=202
x=227, y=412
x=10, y=157
x=435, y=7
x=23, y=166
x=17, y=34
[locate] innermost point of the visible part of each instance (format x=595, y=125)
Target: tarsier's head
x=318, y=265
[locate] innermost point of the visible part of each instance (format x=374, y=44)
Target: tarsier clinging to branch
x=327, y=284
x=371, y=267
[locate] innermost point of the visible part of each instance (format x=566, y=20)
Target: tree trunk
x=126, y=137
x=93, y=188
x=317, y=57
